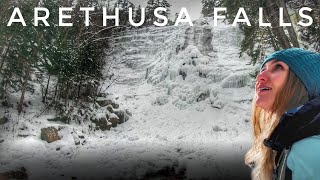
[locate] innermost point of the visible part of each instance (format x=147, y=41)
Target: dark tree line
x=258, y=38
x=71, y=55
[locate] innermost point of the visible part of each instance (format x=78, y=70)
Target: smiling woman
x=286, y=117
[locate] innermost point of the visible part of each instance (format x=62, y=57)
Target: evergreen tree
x=22, y=51
x=74, y=55
x=137, y=14
x=165, y=4
x=257, y=38
x=151, y=6
x=124, y=6
x=208, y=5
x=310, y=35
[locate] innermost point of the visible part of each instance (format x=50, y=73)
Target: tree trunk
x=79, y=89
x=24, y=88
x=291, y=31
x=273, y=42
x=273, y=17
x=3, y=58
x=66, y=94
x=55, y=91
x=46, y=91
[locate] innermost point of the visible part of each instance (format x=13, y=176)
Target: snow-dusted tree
x=208, y=5
x=165, y=4
x=310, y=35
x=21, y=54
x=124, y=6
x=74, y=55
x=258, y=38
x=152, y=5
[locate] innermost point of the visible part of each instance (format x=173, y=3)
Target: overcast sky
x=193, y=6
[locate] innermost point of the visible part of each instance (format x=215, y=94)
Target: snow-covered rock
x=121, y=115
x=113, y=119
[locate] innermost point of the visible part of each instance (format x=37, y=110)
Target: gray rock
x=102, y=124
x=114, y=120
x=115, y=105
x=110, y=108
x=128, y=112
x=122, y=115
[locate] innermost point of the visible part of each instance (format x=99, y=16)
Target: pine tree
x=124, y=6
x=165, y=4
x=22, y=51
x=208, y=5
x=137, y=14
x=151, y=6
x=310, y=35
x=73, y=55
x=257, y=38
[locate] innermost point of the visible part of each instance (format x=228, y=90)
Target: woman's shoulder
x=306, y=148
x=304, y=158
x=309, y=142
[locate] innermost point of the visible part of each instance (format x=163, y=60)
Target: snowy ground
x=205, y=139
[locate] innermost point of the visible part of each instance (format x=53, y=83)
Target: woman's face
x=270, y=81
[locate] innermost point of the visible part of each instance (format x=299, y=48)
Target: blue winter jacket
x=304, y=159
x=298, y=133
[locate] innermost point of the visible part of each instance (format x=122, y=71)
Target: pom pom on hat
x=305, y=64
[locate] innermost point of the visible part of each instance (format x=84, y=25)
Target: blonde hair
x=292, y=95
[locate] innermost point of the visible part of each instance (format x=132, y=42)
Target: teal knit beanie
x=305, y=64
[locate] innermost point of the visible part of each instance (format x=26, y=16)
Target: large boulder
x=103, y=124
x=50, y=134
x=122, y=115
x=114, y=120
